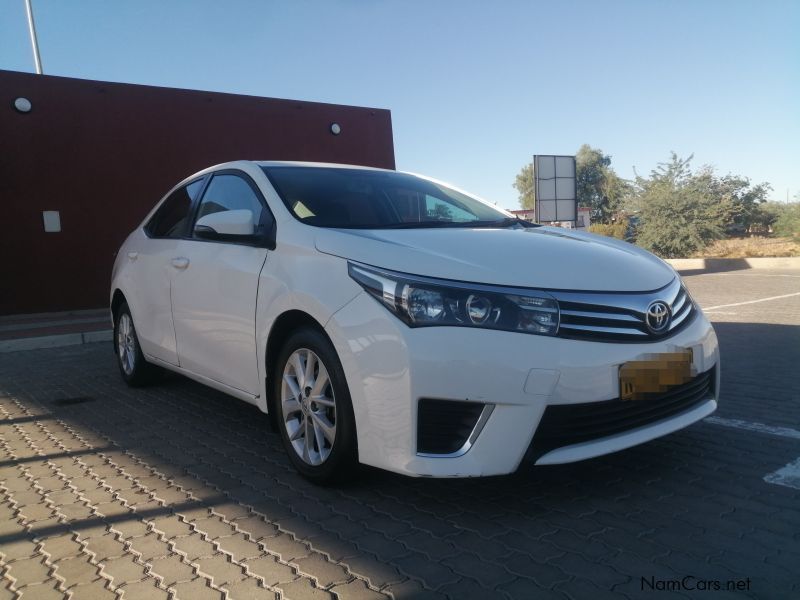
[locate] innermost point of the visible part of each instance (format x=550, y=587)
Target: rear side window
x=171, y=218
x=229, y=192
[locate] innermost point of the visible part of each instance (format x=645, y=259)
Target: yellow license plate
x=654, y=374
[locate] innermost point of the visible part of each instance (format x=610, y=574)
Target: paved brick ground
x=179, y=491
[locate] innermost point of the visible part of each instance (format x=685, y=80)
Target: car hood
x=541, y=257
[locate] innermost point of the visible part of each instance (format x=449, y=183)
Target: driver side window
x=229, y=192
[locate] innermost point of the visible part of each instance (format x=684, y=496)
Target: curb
x=733, y=264
x=54, y=341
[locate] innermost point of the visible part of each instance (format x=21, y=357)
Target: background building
x=91, y=158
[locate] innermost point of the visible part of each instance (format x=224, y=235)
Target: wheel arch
x=287, y=323
x=117, y=300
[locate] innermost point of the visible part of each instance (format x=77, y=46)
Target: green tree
x=591, y=173
x=680, y=211
x=524, y=186
x=787, y=222
x=745, y=199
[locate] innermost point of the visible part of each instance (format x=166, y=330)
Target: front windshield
x=365, y=199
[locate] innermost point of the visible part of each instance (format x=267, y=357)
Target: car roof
x=293, y=163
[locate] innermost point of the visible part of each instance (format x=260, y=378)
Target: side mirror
x=229, y=225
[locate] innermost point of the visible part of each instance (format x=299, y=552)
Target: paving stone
x=76, y=570
x=220, y=569
x=213, y=528
x=193, y=547
x=196, y=590
x=250, y=589
x=433, y=574
x=149, y=547
x=95, y=590
x=377, y=572
x=434, y=547
x=98, y=495
x=380, y=546
x=413, y=590
x=36, y=512
x=94, y=528
x=545, y=575
x=171, y=526
x=303, y=589
x=256, y=527
x=284, y=546
x=130, y=528
x=106, y=546
x=270, y=570
x=171, y=570
x=22, y=549
x=527, y=588
x=39, y=591
x=238, y=546
x=113, y=509
x=144, y=590
x=356, y=590
x=325, y=572
x=123, y=569
x=28, y=570
x=230, y=511
x=467, y=588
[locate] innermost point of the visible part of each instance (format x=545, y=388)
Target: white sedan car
x=389, y=319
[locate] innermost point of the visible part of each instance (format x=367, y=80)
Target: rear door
x=152, y=272
x=214, y=290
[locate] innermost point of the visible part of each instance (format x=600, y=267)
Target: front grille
x=444, y=426
x=568, y=424
x=605, y=317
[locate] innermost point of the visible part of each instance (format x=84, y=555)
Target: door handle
x=133, y=255
x=180, y=262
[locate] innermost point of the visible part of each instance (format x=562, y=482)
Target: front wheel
x=135, y=370
x=313, y=408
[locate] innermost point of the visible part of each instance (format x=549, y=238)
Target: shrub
x=618, y=229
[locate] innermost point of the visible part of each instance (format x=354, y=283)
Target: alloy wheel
x=308, y=407
x=126, y=346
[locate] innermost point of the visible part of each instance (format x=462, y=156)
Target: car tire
x=313, y=409
x=135, y=370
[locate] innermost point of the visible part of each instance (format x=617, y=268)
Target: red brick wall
x=103, y=153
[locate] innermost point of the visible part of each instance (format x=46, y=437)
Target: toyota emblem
x=657, y=317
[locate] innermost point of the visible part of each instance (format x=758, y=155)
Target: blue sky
x=475, y=88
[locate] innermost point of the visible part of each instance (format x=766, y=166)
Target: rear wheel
x=135, y=370
x=313, y=409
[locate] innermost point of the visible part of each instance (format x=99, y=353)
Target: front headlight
x=425, y=302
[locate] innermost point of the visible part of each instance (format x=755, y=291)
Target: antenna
x=34, y=42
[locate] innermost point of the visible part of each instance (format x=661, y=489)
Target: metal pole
x=34, y=42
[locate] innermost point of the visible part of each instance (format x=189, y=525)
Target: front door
x=214, y=292
x=151, y=265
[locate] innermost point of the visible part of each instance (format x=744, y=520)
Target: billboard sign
x=555, y=192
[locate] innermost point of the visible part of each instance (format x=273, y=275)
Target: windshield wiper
x=429, y=224
x=509, y=221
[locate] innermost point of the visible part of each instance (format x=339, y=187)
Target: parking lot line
x=757, y=427
x=788, y=475
x=752, y=301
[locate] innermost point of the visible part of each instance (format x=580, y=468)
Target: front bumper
x=390, y=367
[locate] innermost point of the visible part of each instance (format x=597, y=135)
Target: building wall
x=103, y=153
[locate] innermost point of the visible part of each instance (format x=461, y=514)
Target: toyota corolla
x=389, y=319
